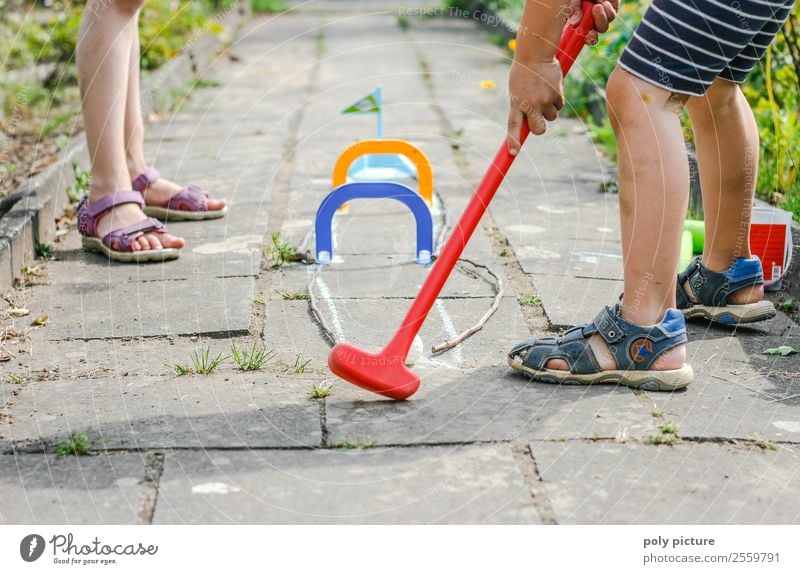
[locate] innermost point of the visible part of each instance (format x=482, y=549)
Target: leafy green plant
x=251, y=359
x=320, y=391
x=529, y=300
x=781, y=351
x=281, y=251
x=81, y=186
x=77, y=444
x=44, y=250
x=356, y=443
x=293, y=295
x=668, y=428
x=666, y=439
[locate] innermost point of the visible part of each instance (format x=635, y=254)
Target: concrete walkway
x=476, y=444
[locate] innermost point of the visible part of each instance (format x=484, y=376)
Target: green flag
x=367, y=104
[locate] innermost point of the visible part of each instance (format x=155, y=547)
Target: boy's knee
x=721, y=95
x=629, y=99
x=625, y=101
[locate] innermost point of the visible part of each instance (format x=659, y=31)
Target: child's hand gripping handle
x=572, y=41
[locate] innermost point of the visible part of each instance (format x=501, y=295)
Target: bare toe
x=215, y=204
x=172, y=242
x=153, y=241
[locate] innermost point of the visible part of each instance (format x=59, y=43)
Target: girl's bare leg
x=103, y=55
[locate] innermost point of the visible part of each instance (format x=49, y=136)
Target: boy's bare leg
x=162, y=189
x=726, y=138
x=103, y=54
x=654, y=194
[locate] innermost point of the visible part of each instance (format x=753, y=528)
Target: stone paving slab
x=738, y=392
x=47, y=489
x=237, y=410
x=93, y=310
x=612, y=483
x=485, y=405
x=571, y=301
x=374, y=486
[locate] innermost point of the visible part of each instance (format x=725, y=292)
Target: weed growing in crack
x=251, y=359
x=77, y=444
x=320, y=391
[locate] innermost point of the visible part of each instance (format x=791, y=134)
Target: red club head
x=384, y=373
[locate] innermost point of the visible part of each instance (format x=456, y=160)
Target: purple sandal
x=188, y=203
x=117, y=244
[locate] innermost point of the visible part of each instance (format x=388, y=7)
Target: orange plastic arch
x=388, y=146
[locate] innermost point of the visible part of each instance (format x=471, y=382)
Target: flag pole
x=379, y=99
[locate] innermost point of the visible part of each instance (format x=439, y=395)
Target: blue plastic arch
x=373, y=190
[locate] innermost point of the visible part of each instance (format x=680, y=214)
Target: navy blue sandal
x=711, y=290
x=635, y=349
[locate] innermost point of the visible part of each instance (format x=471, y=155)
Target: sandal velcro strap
x=122, y=239
x=634, y=347
x=712, y=288
x=607, y=326
x=90, y=214
x=145, y=179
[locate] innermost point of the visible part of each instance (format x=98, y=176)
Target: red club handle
x=572, y=41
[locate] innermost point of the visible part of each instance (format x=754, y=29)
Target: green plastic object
x=687, y=249
x=698, y=230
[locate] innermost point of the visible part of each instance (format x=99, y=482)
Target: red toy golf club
x=385, y=372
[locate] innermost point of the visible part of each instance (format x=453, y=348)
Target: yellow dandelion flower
x=487, y=84
x=512, y=44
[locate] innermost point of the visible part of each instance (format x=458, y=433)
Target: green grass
x=403, y=23
x=320, y=391
x=14, y=378
x=298, y=367
x=357, y=443
x=77, y=444
x=529, y=300
x=657, y=413
x=203, y=363
x=180, y=369
x=58, y=120
x=268, y=6
x=251, y=359
x=44, y=250
x=201, y=83
x=292, y=296
x=764, y=444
